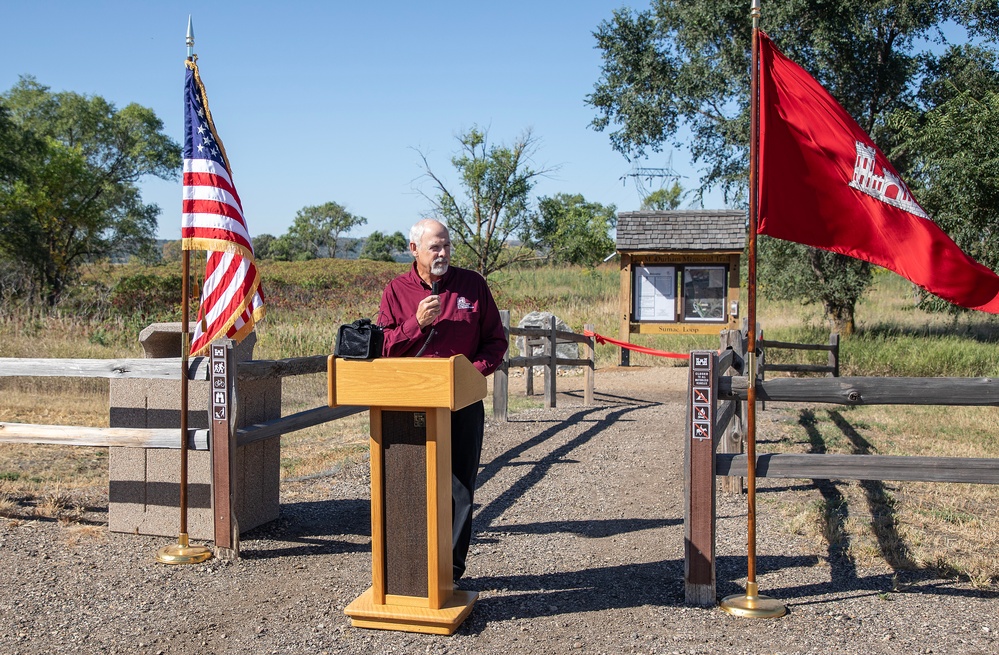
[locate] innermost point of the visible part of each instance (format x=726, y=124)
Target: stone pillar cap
x=164, y=340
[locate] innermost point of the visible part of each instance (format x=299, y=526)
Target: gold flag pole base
x=752, y=605
x=183, y=553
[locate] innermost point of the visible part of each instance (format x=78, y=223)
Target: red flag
x=823, y=183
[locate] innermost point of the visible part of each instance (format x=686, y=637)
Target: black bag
x=361, y=339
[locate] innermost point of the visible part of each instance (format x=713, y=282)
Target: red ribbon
x=601, y=339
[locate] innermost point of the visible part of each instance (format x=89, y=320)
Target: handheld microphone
x=435, y=288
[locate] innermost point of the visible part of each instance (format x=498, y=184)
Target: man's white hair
x=416, y=232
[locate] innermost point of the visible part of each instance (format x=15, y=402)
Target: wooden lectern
x=411, y=401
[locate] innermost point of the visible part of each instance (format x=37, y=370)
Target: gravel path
x=578, y=549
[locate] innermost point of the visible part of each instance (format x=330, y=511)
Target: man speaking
x=438, y=310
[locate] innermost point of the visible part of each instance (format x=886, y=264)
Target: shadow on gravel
x=593, y=529
x=590, y=590
x=917, y=582
x=731, y=573
x=616, y=587
x=538, y=469
x=88, y=516
x=661, y=583
x=670, y=396
x=305, y=529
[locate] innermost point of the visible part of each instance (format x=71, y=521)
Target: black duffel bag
x=361, y=339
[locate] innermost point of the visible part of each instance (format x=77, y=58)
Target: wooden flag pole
x=751, y=604
x=182, y=552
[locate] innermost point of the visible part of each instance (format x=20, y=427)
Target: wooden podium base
x=365, y=613
x=410, y=400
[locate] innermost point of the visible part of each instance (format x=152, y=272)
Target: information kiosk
x=411, y=401
x=679, y=271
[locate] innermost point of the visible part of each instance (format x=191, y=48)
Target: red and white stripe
x=231, y=300
x=212, y=216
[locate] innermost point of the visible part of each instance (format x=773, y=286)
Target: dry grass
x=55, y=401
x=951, y=529
x=52, y=501
x=61, y=337
x=40, y=474
x=323, y=448
x=9, y=506
x=55, y=503
x=77, y=535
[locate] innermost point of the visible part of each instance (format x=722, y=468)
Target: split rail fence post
x=529, y=370
x=590, y=353
x=699, y=480
x=551, y=367
x=834, y=353
x=501, y=378
x=730, y=440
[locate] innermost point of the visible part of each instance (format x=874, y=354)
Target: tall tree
x=569, y=230
x=74, y=197
x=282, y=248
x=16, y=146
x=686, y=65
x=494, y=202
x=804, y=274
x=664, y=199
x=382, y=247
x=317, y=230
x=950, y=146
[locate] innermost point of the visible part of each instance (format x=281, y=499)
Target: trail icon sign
x=701, y=395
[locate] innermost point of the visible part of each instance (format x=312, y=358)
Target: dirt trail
x=578, y=548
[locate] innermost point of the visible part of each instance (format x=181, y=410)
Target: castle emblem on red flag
x=878, y=181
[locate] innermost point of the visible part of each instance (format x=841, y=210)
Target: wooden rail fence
x=833, y=348
x=220, y=432
x=716, y=423
x=550, y=338
x=167, y=368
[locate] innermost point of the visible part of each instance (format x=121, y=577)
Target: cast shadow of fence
x=312, y=528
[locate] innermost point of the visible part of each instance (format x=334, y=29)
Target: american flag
x=231, y=298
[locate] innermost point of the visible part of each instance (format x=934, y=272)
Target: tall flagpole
x=751, y=604
x=182, y=552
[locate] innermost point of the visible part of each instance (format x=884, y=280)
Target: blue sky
x=331, y=101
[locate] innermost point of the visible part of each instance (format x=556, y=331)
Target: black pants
x=467, y=426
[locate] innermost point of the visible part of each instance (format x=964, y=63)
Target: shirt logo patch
x=463, y=303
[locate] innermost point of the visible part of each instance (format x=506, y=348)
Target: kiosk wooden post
x=411, y=401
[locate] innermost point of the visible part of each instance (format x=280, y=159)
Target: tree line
x=70, y=166
x=69, y=163
x=69, y=169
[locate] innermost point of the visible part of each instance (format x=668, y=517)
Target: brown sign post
x=699, y=480
x=222, y=375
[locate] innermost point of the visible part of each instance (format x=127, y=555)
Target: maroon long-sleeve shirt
x=469, y=323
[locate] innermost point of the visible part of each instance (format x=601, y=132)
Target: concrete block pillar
x=144, y=492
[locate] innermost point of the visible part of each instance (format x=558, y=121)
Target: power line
x=643, y=175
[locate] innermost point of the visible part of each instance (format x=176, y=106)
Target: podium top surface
x=411, y=382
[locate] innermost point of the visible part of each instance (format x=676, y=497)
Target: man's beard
x=439, y=267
